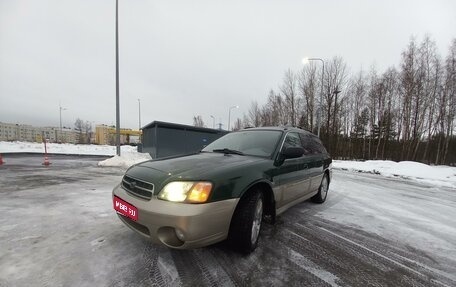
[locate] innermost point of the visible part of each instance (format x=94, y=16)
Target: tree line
x=84, y=129
x=407, y=112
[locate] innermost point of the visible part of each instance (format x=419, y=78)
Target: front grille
x=138, y=187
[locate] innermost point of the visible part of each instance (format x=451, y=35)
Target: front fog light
x=180, y=234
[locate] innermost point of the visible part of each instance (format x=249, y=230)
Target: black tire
x=243, y=235
x=322, y=194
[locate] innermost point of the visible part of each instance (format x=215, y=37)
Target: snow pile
x=54, y=148
x=129, y=155
x=435, y=175
x=126, y=159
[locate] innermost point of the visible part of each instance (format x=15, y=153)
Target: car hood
x=188, y=167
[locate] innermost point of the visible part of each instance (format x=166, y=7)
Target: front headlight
x=188, y=191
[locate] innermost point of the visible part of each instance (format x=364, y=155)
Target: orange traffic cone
x=46, y=161
x=1, y=159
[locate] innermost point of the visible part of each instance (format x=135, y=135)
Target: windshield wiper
x=228, y=151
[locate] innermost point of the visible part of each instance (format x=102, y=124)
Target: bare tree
x=408, y=86
x=79, y=126
x=288, y=89
x=407, y=112
x=246, y=122
x=308, y=90
x=335, y=86
x=87, y=131
x=358, y=91
x=237, y=124
x=254, y=117
x=431, y=68
x=450, y=92
x=198, y=121
x=389, y=80
x=274, y=113
x=374, y=103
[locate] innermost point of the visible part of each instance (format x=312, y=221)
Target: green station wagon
x=226, y=190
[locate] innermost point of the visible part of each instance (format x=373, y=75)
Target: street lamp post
x=336, y=93
x=117, y=82
x=305, y=60
x=229, y=115
x=213, y=122
x=139, y=110
x=60, y=110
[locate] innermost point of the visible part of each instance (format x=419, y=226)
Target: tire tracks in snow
x=150, y=257
x=344, y=255
x=404, y=256
x=199, y=268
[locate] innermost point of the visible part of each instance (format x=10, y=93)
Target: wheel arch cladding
x=328, y=175
x=268, y=196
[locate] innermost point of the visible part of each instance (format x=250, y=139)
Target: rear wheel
x=320, y=197
x=246, y=223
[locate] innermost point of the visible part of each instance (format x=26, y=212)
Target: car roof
x=280, y=128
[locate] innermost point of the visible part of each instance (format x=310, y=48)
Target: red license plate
x=125, y=208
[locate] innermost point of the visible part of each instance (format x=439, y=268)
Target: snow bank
x=435, y=175
x=129, y=155
x=54, y=148
x=126, y=159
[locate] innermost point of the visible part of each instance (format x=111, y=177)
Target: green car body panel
x=285, y=182
x=230, y=174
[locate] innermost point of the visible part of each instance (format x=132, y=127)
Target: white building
x=18, y=132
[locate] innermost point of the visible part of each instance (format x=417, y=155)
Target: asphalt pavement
x=58, y=228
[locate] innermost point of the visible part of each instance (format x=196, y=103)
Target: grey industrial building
x=162, y=139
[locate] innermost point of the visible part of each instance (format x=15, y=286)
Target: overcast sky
x=186, y=58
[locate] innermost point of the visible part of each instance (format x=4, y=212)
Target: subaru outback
x=226, y=190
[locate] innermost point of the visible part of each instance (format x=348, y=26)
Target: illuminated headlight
x=188, y=191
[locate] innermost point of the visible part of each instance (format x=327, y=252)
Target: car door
x=292, y=175
x=314, y=160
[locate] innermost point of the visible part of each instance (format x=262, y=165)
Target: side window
x=311, y=145
x=319, y=145
x=292, y=140
x=306, y=145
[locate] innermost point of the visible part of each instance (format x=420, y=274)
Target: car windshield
x=254, y=142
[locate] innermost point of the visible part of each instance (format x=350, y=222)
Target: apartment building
x=18, y=132
x=103, y=134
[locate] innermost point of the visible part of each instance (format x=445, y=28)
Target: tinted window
x=312, y=144
x=254, y=142
x=292, y=140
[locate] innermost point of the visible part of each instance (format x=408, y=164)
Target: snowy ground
x=58, y=228
x=431, y=175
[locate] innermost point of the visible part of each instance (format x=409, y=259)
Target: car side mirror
x=293, y=152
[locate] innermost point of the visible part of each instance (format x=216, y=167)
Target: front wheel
x=246, y=223
x=320, y=197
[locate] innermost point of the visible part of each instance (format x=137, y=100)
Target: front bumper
x=198, y=224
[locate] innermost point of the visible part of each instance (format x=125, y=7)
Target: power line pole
x=139, y=108
x=117, y=82
x=60, y=108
